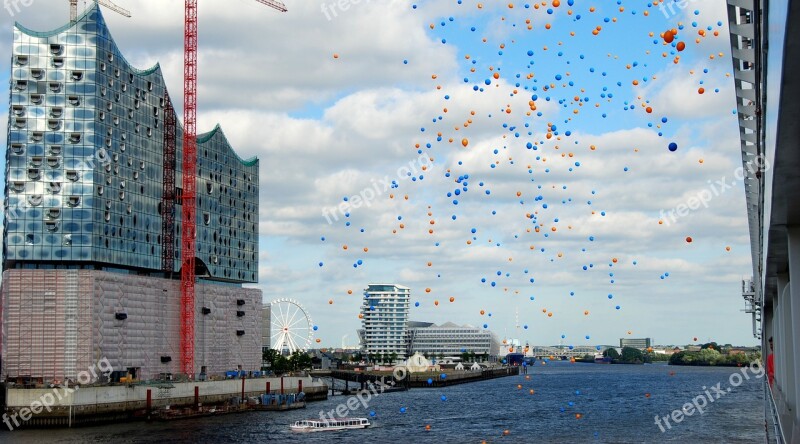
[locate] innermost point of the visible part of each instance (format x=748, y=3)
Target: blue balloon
x=673, y=146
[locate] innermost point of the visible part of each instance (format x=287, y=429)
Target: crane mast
x=189, y=181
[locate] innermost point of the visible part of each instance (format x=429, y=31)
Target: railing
x=772, y=416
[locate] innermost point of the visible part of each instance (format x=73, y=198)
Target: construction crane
x=188, y=210
x=73, y=8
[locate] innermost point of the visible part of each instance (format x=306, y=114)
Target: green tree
x=630, y=354
x=393, y=357
x=709, y=356
x=472, y=356
x=269, y=355
x=299, y=361
x=611, y=353
x=464, y=356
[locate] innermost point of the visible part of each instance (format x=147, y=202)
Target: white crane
x=73, y=8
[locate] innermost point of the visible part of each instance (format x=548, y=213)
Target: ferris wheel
x=290, y=326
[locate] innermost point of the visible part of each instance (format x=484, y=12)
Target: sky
x=552, y=168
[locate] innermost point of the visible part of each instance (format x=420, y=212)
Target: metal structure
x=291, y=327
x=73, y=8
x=188, y=208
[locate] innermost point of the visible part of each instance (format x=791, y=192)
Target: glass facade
x=85, y=165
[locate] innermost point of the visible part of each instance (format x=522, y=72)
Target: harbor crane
x=73, y=8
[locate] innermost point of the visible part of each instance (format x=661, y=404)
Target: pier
x=361, y=379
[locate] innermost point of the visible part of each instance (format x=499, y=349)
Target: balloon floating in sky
x=673, y=146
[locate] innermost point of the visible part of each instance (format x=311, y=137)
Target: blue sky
x=331, y=108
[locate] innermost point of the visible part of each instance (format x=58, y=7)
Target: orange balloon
x=319, y=340
x=465, y=142
x=668, y=36
x=681, y=46
x=452, y=299
x=688, y=239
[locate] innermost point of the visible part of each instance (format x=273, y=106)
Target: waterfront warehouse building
x=91, y=264
x=640, y=343
x=384, y=319
x=450, y=339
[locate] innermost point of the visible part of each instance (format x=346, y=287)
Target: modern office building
x=91, y=240
x=384, y=319
x=640, y=343
x=450, y=339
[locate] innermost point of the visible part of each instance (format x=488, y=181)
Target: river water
x=571, y=403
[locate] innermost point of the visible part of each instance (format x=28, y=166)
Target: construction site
x=128, y=238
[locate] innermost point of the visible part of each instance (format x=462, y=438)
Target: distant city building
x=385, y=319
x=450, y=339
x=640, y=343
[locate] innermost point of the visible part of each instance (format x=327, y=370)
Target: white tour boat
x=317, y=425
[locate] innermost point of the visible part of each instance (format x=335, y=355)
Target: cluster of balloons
x=526, y=185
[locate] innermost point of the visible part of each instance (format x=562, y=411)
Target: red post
x=299, y=385
x=242, y=388
x=268, y=387
x=281, y=385
x=149, y=401
x=196, y=396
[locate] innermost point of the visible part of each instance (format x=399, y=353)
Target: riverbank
x=89, y=405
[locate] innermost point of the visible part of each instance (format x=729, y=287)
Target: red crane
x=188, y=211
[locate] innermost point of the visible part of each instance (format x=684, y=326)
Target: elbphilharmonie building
x=91, y=234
